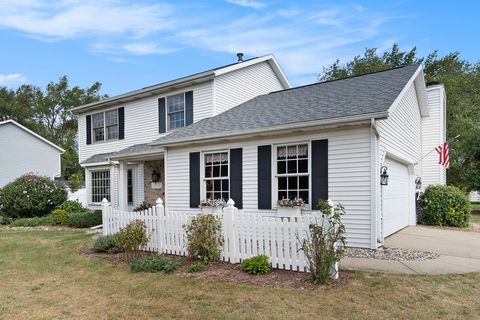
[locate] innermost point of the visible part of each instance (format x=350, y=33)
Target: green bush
x=154, y=264
x=84, y=219
x=256, y=265
x=445, y=206
x=106, y=244
x=31, y=222
x=30, y=196
x=4, y=220
x=59, y=216
x=204, y=237
x=132, y=238
x=75, y=181
x=71, y=206
x=324, y=243
x=196, y=267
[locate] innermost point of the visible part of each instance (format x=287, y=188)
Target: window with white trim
x=100, y=185
x=216, y=176
x=292, y=172
x=176, y=111
x=105, y=126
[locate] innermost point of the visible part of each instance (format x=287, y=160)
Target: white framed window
x=175, y=111
x=216, y=182
x=105, y=126
x=291, y=171
x=100, y=184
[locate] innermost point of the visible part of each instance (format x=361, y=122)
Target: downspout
x=375, y=203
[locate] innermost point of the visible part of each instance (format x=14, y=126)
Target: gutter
x=300, y=125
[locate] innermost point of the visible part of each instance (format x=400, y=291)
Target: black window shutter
x=236, y=190
x=161, y=116
x=188, y=108
x=264, y=167
x=319, y=171
x=194, y=179
x=121, y=123
x=89, y=129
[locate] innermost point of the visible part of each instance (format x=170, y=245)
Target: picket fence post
x=230, y=213
x=332, y=211
x=159, y=227
x=105, y=216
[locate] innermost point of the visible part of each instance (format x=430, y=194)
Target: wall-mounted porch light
x=383, y=176
x=418, y=183
x=155, y=175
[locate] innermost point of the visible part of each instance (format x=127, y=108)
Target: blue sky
x=127, y=45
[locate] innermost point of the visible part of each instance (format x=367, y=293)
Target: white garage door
x=396, y=197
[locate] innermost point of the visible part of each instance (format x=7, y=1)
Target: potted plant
x=212, y=205
x=290, y=207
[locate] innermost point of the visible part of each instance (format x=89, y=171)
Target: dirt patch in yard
x=233, y=273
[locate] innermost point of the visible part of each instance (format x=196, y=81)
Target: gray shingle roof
x=360, y=95
x=130, y=151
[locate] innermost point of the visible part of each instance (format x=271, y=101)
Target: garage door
x=396, y=197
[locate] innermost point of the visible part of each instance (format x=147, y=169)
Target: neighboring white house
x=241, y=132
x=23, y=151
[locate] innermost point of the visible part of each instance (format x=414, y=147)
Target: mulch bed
x=232, y=273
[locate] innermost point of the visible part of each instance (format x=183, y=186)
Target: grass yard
x=43, y=276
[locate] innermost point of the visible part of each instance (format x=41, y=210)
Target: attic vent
x=240, y=57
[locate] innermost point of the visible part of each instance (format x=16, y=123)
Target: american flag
x=442, y=151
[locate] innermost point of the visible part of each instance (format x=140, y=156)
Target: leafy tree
x=48, y=113
x=462, y=84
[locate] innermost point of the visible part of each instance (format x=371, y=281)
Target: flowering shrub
x=289, y=203
x=209, y=203
x=31, y=195
x=204, y=236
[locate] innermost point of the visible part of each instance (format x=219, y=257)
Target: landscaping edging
x=394, y=254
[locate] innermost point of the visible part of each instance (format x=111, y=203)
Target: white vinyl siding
x=141, y=121
x=401, y=132
x=234, y=88
x=433, y=134
x=348, y=176
x=21, y=153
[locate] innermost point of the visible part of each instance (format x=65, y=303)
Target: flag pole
x=448, y=141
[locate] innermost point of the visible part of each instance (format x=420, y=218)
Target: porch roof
x=132, y=151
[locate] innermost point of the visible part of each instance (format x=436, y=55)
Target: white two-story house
x=241, y=132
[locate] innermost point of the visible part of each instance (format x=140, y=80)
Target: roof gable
x=185, y=82
x=32, y=133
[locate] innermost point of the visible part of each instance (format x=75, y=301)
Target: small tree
x=324, y=244
x=132, y=238
x=204, y=235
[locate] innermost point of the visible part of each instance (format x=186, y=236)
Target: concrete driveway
x=459, y=252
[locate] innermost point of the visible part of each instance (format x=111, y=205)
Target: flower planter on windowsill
x=289, y=211
x=211, y=210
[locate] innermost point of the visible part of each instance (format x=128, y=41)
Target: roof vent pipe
x=240, y=57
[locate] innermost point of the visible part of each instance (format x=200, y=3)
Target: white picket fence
x=245, y=234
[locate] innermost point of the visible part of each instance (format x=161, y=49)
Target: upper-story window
x=176, y=111
x=105, y=125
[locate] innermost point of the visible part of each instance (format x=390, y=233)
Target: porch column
x=122, y=186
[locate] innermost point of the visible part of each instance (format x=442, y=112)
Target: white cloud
x=71, y=19
x=248, y=3
x=12, y=80
x=146, y=48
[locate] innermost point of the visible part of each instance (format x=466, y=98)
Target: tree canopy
x=48, y=113
x=462, y=84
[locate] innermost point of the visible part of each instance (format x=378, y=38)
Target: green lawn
x=44, y=276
